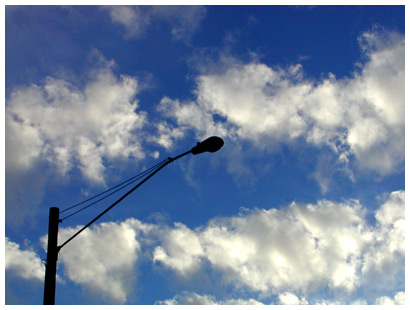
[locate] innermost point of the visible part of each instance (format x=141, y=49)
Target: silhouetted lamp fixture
x=211, y=145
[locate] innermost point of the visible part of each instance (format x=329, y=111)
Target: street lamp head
x=212, y=144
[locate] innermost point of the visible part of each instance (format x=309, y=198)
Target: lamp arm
x=170, y=160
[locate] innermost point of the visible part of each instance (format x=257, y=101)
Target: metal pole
x=52, y=256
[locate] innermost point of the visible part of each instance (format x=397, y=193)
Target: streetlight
x=211, y=145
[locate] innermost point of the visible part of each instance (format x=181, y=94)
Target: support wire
x=122, y=184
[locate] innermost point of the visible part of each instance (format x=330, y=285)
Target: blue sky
x=304, y=204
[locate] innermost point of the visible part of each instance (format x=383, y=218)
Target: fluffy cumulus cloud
x=294, y=251
x=291, y=299
x=360, y=117
x=398, y=299
x=25, y=263
x=298, y=248
x=71, y=126
x=386, y=256
x=103, y=258
x=184, y=21
x=182, y=259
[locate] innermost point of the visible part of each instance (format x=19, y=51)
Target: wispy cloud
x=132, y=19
x=184, y=21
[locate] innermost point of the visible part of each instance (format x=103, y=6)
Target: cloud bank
x=299, y=249
x=287, y=254
x=360, y=118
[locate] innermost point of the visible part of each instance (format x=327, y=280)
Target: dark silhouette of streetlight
x=211, y=145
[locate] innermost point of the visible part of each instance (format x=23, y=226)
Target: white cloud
x=291, y=299
x=191, y=298
x=132, y=19
x=25, y=263
x=243, y=95
x=361, y=116
x=167, y=135
x=183, y=20
x=399, y=299
x=23, y=143
x=103, y=258
x=241, y=301
x=180, y=258
x=295, y=250
x=189, y=116
x=187, y=298
x=71, y=126
x=386, y=257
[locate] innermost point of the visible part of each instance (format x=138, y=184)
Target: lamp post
x=212, y=144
